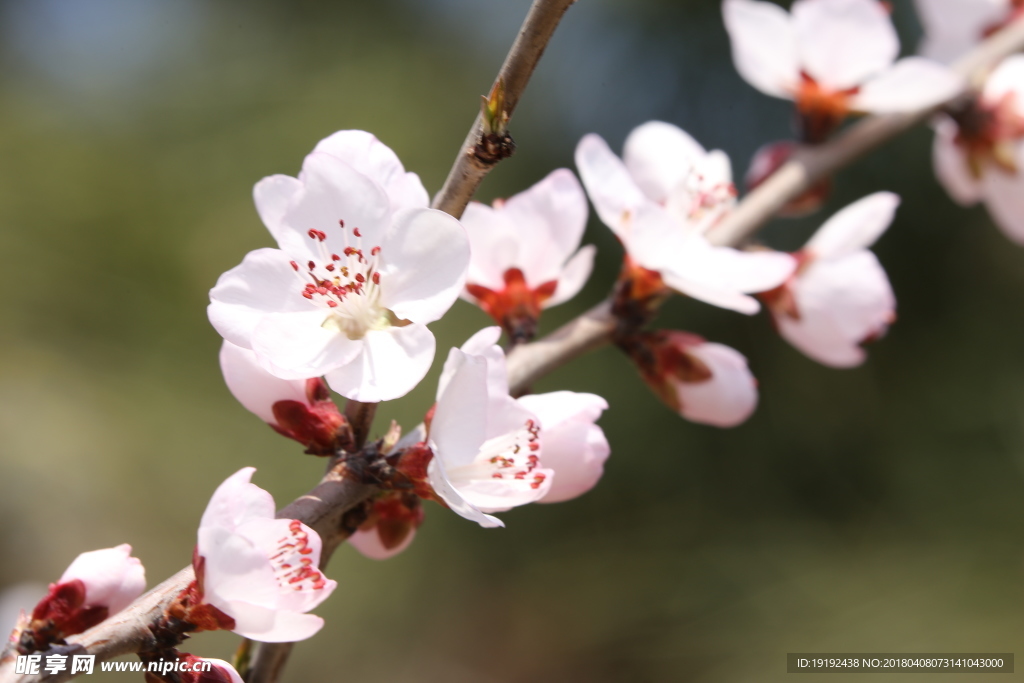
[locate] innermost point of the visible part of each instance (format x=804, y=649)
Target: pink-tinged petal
x=263, y=283
x=483, y=344
x=272, y=195
x=574, y=447
x=369, y=544
x=764, y=47
x=300, y=346
x=266, y=625
x=854, y=227
x=460, y=419
x=723, y=298
x=841, y=303
x=549, y=219
x=235, y=570
x=1007, y=78
x=112, y=577
x=499, y=495
x=574, y=275
x=1004, y=198
x=660, y=156
x=237, y=500
x=443, y=488
x=842, y=43
x=611, y=188
x=494, y=245
x=912, y=83
x=392, y=363
x=371, y=157
x=951, y=167
x=729, y=397
x=266, y=535
x=952, y=27
x=333, y=191
x=255, y=388
x=424, y=255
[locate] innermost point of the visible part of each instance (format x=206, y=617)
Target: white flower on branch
x=260, y=571
x=832, y=57
x=840, y=296
x=952, y=27
x=360, y=270
x=979, y=149
x=526, y=253
x=660, y=200
x=300, y=409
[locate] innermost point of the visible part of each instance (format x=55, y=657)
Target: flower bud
x=390, y=526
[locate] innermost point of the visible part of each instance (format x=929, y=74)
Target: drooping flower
x=258, y=571
x=526, y=253
x=979, y=150
x=832, y=57
x=97, y=585
x=840, y=296
x=360, y=270
x=390, y=527
x=296, y=408
x=660, y=200
x=952, y=27
x=702, y=381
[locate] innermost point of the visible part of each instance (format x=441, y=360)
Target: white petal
x=263, y=283
x=911, y=83
x=368, y=544
x=460, y=419
x=494, y=245
x=844, y=42
x=660, y=156
x=574, y=447
x=574, y=275
x=1007, y=78
x=237, y=500
x=112, y=577
x=952, y=27
x=298, y=346
x=425, y=254
x=272, y=195
x=443, y=488
x=498, y=495
x=841, y=303
x=729, y=397
x=235, y=569
x=1004, y=198
x=764, y=46
x=371, y=157
x=272, y=626
x=266, y=536
x=392, y=363
x=951, y=167
x=255, y=388
x=482, y=344
x=855, y=226
x=611, y=188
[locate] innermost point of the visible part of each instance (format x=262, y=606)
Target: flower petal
x=460, y=419
x=844, y=42
x=912, y=83
x=112, y=577
x=424, y=255
x=272, y=195
x=494, y=245
x=574, y=275
x=660, y=156
x=235, y=569
x=237, y=500
x=392, y=363
x=371, y=157
x=271, y=626
x=952, y=27
x=950, y=163
x=482, y=344
x=298, y=346
x=266, y=535
x=443, y=488
x=729, y=397
x=369, y=544
x=255, y=388
x=764, y=46
x=854, y=227
x=611, y=188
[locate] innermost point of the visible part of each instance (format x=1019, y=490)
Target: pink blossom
x=952, y=27
x=526, y=253
x=296, y=408
x=360, y=270
x=259, y=571
x=661, y=200
x=840, y=296
x=979, y=151
x=832, y=57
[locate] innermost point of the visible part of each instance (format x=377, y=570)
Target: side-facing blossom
x=840, y=296
x=832, y=57
x=952, y=27
x=660, y=200
x=360, y=269
x=258, y=571
x=300, y=409
x=703, y=381
x=526, y=253
x=96, y=585
x=979, y=150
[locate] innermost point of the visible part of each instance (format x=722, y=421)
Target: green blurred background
x=875, y=509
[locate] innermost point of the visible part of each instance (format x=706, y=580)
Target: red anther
x=529, y=424
x=534, y=446
x=312, y=265
x=374, y=251
x=295, y=266
x=329, y=266
x=306, y=551
x=321, y=290
x=355, y=231
x=520, y=475
x=318, y=584
x=376, y=278
x=335, y=257
x=307, y=295
x=341, y=223
x=349, y=251
x=332, y=304
x=360, y=278
x=496, y=475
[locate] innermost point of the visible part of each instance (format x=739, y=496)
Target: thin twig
x=470, y=168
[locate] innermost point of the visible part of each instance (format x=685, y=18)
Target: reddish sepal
x=517, y=307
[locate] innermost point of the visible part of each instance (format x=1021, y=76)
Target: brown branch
x=473, y=162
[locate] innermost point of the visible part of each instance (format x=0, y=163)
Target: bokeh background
x=874, y=509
